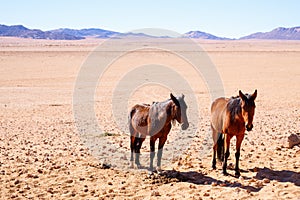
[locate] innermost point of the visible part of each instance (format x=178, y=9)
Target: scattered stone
x=214, y=184
x=252, y=180
x=223, y=184
x=206, y=194
x=155, y=193
x=27, y=187
x=293, y=140
x=110, y=190
x=69, y=181
x=266, y=180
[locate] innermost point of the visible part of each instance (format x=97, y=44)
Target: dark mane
x=234, y=107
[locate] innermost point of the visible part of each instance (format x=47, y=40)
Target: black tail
x=220, y=147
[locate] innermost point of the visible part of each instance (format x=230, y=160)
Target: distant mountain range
x=277, y=34
x=73, y=34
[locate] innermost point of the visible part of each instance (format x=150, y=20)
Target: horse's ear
x=254, y=95
x=174, y=100
x=182, y=95
x=242, y=96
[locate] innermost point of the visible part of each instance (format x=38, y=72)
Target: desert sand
x=44, y=155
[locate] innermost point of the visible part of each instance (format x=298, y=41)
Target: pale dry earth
x=44, y=155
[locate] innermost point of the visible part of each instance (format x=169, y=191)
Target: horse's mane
x=234, y=106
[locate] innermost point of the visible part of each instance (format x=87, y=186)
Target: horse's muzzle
x=249, y=127
x=184, y=126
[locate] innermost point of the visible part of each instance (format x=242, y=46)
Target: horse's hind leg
x=132, y=149
x=138, y=146
x=239, y=140
x=132, y=143
x=214, y=135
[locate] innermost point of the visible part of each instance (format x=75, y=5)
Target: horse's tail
x=132, y=112
x=220, y=147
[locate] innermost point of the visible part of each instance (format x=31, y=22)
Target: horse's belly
x=143, y=130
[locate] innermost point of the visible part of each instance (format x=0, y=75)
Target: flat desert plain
x=45, y=154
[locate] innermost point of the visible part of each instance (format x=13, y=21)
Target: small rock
x=110, y=190
x=293, y=140
x=223, y=184
x=69, y=181
x=266, y=180
x=255, y=169
x=214, y=184
x=155, y=193
x=259, y=184
x=278, y=148
x=206, y=194
x=26, y=187
x=252, y=180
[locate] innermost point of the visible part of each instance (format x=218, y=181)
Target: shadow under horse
x=155, y=121
x=231, y=117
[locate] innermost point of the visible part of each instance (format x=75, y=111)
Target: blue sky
x=230, y=18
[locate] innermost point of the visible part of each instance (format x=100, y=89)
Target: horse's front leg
x=239, y=140
x=227, y=153
x=152, y=152
x=162, y=141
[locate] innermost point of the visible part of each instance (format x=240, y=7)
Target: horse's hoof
x=131, y=166
x=150, y=174
x=139, y=166
x=214, y=167
x=237, y=174
x=158, y=169
x=225, y=173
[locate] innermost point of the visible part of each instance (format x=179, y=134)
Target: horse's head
x=180, y=111
x=248, y=108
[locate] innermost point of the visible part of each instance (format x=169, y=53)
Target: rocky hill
x=202, y=35
x=23, y=32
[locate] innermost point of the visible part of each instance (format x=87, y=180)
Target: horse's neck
x=167, y=108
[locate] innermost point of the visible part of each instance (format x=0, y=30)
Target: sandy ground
x=44, y=155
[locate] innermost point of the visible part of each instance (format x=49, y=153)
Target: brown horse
x=155, y=120
x=231, y=117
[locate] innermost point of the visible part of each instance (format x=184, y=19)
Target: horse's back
x=218, y=111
